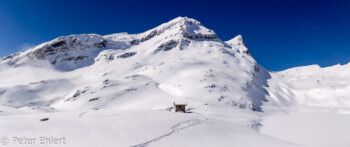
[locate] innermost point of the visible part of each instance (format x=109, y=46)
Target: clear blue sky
x=280, y=34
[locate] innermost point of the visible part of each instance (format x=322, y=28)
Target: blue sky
x=279, y=33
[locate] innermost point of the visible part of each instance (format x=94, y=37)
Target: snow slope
x=314, y=86
x=314, y=127
x=309, y=106
x=119, y=89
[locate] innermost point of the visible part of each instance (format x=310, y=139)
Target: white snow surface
x=119, y=90
x=311, y=86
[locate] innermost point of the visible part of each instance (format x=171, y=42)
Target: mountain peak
x=185, y=20
x=180, y=26
x=237, y=43
x=235, y=40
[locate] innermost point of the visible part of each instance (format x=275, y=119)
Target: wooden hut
x=180, y=107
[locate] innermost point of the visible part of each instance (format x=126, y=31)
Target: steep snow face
x=311, y=86
x=179, y=61
x=68, y=53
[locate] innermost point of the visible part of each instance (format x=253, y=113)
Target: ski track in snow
x=178, y=127
x=174, y=129
x=81, y=115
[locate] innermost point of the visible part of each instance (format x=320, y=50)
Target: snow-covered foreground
x=118, y=90
x=159, y=128
x=123, y=128
x=318, y=128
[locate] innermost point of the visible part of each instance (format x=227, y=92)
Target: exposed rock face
x=62, y=48
x=67, y=53
x=166, y=46
x=127, y=55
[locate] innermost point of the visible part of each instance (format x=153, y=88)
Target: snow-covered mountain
x=177, y=61
x=134, y=79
